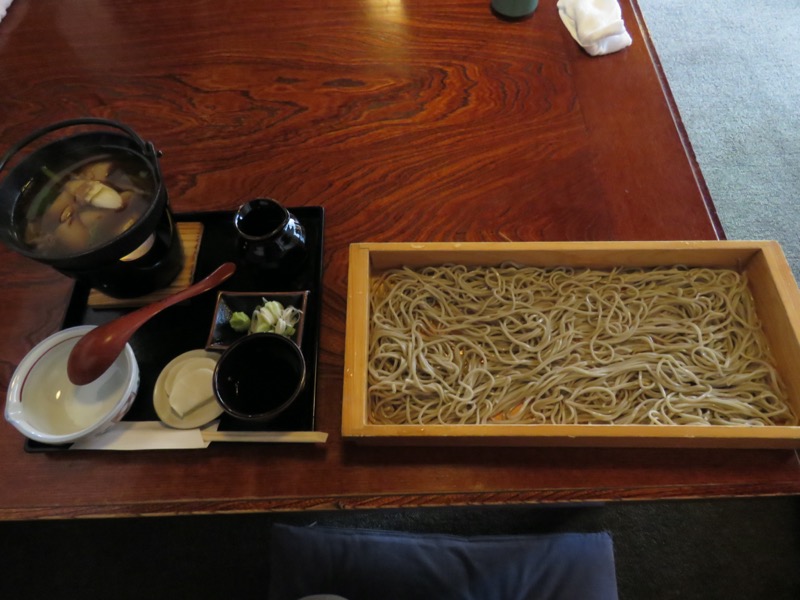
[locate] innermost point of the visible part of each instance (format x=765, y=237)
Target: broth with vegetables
x=85, y=205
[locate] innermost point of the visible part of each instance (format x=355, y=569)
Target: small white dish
x=200, y=416
x=45, y=406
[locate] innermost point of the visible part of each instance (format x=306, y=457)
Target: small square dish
x=223, y=335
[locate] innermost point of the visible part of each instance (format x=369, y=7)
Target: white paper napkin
x=143, y=435
x=154, y=435
x=595, y=24
x=4, y=4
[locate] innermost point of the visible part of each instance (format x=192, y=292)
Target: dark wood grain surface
x=408, y=121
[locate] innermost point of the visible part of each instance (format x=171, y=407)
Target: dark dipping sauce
x=263, y=220
x=259, y=376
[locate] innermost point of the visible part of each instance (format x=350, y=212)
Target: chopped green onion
x=270, y=317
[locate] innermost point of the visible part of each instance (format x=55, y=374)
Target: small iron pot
x=108, y=266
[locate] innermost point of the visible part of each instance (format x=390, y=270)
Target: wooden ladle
x=97, y=350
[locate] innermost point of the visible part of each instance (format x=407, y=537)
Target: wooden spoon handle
x=133, y=320
x=98, y=349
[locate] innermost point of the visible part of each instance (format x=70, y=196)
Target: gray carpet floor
x=738, y=549
x=733, y=70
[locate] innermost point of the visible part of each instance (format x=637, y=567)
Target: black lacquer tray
x=185, y=326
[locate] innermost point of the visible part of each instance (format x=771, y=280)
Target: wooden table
x=407, y=120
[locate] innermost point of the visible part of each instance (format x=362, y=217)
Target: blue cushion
x=380, y=565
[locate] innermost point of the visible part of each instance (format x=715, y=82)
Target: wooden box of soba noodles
x=690, y=343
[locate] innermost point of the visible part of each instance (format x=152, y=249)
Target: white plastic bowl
x=45, y=406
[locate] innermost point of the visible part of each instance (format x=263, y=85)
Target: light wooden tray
x=772, y=284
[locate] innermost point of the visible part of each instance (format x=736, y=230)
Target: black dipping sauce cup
x=259, y=376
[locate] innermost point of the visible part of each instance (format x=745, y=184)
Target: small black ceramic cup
x=269, y=235
x=259, y=376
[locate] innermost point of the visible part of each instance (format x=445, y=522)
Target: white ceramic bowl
x=45, y=406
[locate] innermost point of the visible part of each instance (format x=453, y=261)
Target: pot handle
x=146, y=147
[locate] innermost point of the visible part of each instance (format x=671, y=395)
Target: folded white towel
x=595, y=24
x=4, y=4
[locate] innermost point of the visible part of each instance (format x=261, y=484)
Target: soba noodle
x=673, y=346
